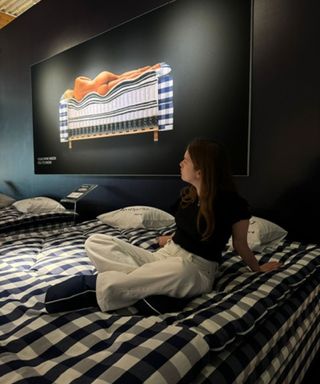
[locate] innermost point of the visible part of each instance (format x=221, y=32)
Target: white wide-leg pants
x=127, y=273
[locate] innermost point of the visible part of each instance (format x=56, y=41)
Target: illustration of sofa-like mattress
x=137, y=101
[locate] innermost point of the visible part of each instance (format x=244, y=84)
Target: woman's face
x=188, y=173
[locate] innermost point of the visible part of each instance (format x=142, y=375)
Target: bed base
x=155, y=131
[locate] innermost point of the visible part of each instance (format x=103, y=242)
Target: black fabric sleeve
x=240, y=210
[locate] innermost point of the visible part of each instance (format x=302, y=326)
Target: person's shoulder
x=229, y=195
x=231, y=199
x=233, y=206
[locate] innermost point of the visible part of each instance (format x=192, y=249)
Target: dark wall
x=285, y=136
x=284, y=182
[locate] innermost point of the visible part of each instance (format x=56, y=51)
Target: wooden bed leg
x=155, y=135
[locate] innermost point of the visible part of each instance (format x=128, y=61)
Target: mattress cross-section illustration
x=137, y=101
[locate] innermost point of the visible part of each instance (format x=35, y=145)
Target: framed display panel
x=128, y=101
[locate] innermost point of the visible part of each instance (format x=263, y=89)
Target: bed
x=252, y=328
x=32, y=213
x=139, y=101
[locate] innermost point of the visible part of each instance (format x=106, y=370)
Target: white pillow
x=262, y=233
x=5, y=200
x=137, y=216
x=38, y=205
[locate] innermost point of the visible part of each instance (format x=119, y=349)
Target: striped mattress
x=143, y=103
x=13, y=221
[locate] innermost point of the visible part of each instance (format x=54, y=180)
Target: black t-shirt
x=229, y=208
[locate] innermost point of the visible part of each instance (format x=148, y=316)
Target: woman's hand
x=240, y=244
x=162, y=240
x=270, y=266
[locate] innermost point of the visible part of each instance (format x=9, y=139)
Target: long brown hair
x=211, y=159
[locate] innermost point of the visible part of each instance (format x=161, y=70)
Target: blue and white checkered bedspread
x=12, y=220
x=87, y=346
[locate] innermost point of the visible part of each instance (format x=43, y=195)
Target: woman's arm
x=240, y=244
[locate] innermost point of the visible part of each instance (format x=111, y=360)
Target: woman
x=209, y=212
